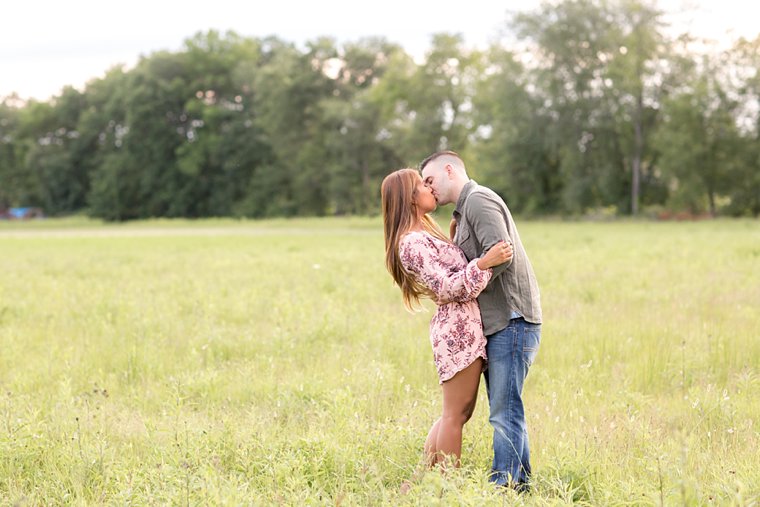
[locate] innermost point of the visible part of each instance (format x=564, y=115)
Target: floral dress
x=456, y=331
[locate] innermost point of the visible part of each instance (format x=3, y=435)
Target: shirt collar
x=466, y=191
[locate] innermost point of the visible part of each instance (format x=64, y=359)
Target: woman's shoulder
x=414, y=240
x=414, y=236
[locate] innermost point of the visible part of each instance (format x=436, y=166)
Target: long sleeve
x=447, y=281
x=488, y=224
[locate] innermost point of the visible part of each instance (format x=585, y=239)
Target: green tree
x=11, y=172
x=699, y=141
x=288, y=91
x=427, y=105
x=590, y=105
x=513, y=151
x=594, y=68
x=744, y=59
x=49, y=165
x=633, y=85
x=103, y=128
x=357, y=149
x=223, y=146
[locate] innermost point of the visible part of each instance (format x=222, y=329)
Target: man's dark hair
x=438, y=154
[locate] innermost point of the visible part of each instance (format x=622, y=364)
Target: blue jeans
x=511, y=352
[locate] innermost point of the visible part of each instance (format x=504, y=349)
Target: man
x=510, y=308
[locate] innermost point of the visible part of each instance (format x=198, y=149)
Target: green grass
x=272, y=363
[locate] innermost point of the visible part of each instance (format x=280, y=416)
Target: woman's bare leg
x=459, y=396
x=431, y=449
x=430, y=457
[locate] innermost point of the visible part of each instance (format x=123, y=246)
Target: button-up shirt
x=483, y=220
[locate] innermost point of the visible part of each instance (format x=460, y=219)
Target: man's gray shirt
x=483, y=220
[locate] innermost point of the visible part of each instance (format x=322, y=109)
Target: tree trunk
x=366, y=190
x=638, y=127
x=638, y=150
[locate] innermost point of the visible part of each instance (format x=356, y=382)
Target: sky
x=45, y=45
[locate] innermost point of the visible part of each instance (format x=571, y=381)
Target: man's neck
x=456, y=189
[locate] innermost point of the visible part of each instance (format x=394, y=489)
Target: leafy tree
x=49, y=170
x=698, y=140
x=595, y=88
x=588, y=105
x=357, y=152
x=744, y=60
x=513, y=150
x=11, y=171
x=632, y=84
x=288, y=90
x=103, y=128
x=427, y=106
x=222, y=146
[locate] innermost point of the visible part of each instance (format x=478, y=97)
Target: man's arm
x=452, y=228
x=489, y=226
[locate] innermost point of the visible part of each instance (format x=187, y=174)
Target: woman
x=424, y=263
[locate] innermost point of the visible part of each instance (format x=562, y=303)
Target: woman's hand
x=500, y=253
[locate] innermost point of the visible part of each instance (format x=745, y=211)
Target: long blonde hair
x=399, y=216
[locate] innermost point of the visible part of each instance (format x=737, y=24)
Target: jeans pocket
x=531, y=343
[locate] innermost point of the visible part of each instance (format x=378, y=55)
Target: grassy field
x=272, y=363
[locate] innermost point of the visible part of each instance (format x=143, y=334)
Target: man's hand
x=452, y=228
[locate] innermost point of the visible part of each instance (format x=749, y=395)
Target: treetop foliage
x=592, y=107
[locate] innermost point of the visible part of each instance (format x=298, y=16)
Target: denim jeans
x=511, y=352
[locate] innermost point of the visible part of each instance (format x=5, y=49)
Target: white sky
x=47, y=44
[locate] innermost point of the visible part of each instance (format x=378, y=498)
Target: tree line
x=585, y=105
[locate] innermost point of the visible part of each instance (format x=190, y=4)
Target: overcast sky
x=45, y=44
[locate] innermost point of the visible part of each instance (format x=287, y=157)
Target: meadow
x=225, y=362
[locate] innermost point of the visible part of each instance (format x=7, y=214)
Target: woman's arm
x=420, y=257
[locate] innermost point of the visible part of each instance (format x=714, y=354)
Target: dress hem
x=452, y=375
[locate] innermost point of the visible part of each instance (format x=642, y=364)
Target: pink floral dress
x=456, y=331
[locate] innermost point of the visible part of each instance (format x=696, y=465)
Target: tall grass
x=234, y=362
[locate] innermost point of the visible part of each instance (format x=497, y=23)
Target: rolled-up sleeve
x=488, y=224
